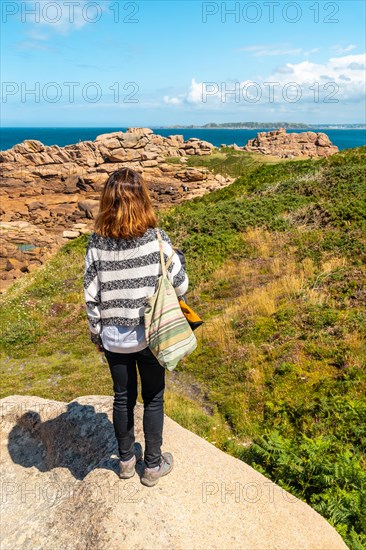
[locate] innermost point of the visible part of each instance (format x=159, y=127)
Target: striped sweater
x=119, y=276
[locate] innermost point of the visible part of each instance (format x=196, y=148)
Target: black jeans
x=124, y=375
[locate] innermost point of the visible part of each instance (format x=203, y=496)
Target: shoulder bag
x=167, y=331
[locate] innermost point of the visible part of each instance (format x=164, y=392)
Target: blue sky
x=149, y=63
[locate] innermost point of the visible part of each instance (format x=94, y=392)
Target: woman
x=122, y=266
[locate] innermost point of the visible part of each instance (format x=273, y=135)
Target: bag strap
x=164, y=266
x=169, y=261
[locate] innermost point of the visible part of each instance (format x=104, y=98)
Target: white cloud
x=36, y=35
x=64, y=16
x=35, y=41
x=266, y=50
x=193, y=96
x=340, y=50
x=356, y=66
x=340, y=78
x=195, y=92
x=35, y=45
x=57, y=16
x=270, y=50
x=346, y=72
x=284, y=69
x=172, y=100
x=310, y=52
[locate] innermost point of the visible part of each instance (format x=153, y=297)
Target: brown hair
x=125, y=209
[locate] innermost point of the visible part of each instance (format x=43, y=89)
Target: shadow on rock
x=79, y=439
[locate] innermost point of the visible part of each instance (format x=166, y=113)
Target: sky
x=151, y=63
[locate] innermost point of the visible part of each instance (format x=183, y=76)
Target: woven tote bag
x=167, y=331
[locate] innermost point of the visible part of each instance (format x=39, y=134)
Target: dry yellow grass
x=316, y=297
x=219, y=330
x=308, y=267
x=355, y=342
x=262, y=281
x=276, y=266
x=231, y=271
x=333, y=264
x=260, y=301
x=261, y=240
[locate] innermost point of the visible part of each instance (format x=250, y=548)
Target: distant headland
x=270, y=126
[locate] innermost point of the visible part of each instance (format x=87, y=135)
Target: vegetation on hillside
x=278, y=269
x=277, y=265
x=227, y=161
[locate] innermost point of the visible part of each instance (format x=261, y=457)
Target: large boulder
x=90, y=207
x=60, y=489
x=29, y=146
x=111, y=135
x=279, y=143
x=140, y=131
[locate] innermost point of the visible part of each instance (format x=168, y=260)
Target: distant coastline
x=344, y=138
x=267, y=126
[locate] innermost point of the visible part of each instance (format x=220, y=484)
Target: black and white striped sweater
x=119, y=276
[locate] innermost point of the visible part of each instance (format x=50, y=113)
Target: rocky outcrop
x=25, y=246
x=49, y=185
x=60, y=489
x=281, y=144
x=49, y=180
x=57, y=189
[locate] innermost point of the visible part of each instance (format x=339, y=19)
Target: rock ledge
x=61, y=489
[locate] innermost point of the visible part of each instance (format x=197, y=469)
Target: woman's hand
x=99, y=348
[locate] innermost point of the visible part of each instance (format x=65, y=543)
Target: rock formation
x=281, y=144
x=17, y=256
x=60, y=489
x=53, y=186
x=56, y=189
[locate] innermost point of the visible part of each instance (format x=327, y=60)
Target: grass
x=277, y=269
x=227, y=161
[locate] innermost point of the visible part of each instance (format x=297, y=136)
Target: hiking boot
x=152, y=475
x=127, y=467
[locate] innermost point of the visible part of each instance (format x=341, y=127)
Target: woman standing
x=122, y=265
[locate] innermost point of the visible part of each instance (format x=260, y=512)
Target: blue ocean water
x=344, y=139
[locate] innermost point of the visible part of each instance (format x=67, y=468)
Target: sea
x=343, y=138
